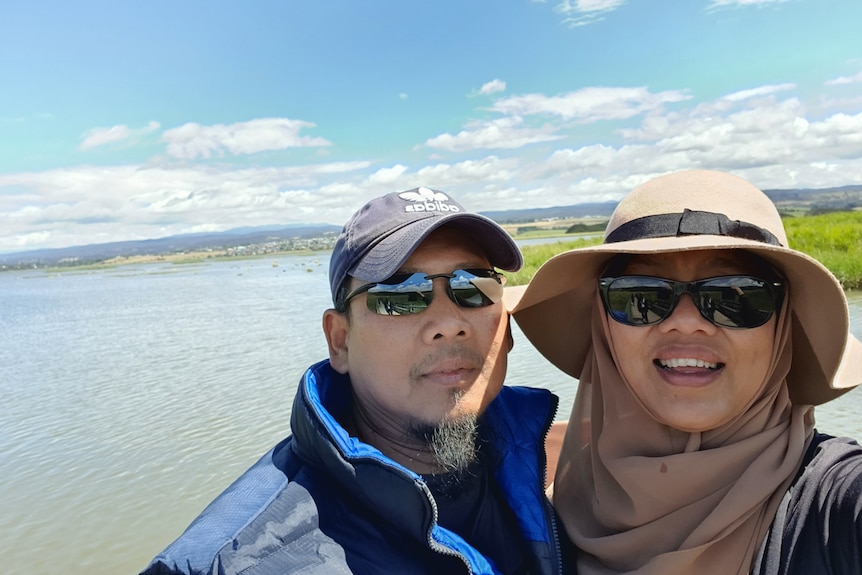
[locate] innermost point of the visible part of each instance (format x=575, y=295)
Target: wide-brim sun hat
x=688, y=211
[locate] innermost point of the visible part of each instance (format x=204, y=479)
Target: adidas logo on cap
x=425, y=200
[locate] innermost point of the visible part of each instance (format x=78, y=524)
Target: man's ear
x=336, y=329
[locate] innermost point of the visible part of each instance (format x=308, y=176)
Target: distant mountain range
x=585, y=210
x=172, y=244
x=827, y=199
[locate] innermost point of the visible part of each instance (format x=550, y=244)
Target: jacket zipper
x=549, y=510
x=434, y=545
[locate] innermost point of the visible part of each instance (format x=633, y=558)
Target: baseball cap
x=379, y=238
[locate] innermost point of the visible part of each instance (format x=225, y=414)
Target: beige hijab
x=637, y=496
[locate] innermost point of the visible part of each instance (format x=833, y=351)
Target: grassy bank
x=835, y=239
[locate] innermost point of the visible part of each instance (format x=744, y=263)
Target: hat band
x=689, y=223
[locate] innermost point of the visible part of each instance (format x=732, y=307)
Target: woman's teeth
x=686, y=362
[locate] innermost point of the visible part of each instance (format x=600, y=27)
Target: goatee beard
x=453, y=441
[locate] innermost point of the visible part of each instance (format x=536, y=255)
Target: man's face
x=736, y=361
x=414, y=371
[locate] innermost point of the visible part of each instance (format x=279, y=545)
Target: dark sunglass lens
x=402, y=294
x=405, y=294
x=391, y=303
x=635, y=300
x=737, y=302
x=476, y=288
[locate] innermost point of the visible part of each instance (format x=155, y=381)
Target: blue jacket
x=322, y=502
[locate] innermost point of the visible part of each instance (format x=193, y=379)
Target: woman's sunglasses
x=406, y=293
x=728, y=301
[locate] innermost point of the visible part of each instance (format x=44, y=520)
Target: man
x=407, y=455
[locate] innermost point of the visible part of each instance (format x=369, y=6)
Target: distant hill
x=298, y=236
x=602, y=209
x=822, y=200
x=825, y=199
x=171, y=244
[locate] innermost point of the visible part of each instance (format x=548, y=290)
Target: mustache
x=449, y=353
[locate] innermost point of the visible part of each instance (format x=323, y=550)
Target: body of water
x=133, y=396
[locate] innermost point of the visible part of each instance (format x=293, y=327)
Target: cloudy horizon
x=159, y=120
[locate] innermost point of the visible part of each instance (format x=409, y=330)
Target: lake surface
x=133, y=396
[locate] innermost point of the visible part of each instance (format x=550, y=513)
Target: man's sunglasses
x=727, y=301
x=406, y=293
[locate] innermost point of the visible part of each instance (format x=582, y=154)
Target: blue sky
x=133, y=120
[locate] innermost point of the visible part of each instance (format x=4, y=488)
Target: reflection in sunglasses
x=726, y=301
x=411, y=293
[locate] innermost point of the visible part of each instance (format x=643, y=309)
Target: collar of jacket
x=519, y=418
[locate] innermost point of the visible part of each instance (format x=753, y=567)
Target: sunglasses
x=741, y=302
x=411, y=293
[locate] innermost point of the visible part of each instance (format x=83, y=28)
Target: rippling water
x=131, y=397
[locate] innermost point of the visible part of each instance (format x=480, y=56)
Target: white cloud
x=761, y=136
x=88, y=204
x=759, y=91
x=587, y=105
x=195, y=141
x=590, y=104
x=492, y=87
x=714, y=4
x=767, y=134
x=460, y=177
x=775, y=143
x=387, y=176
x=101, y=136
x=583, y=12
x=841, y=80
x=469, y=172
x=502, y=133
x=595, y=5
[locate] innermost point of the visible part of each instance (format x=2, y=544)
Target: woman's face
x=689, y=373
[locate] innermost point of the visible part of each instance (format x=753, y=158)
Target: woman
x=701, y=343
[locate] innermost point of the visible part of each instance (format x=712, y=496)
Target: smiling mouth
x=684, y=362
